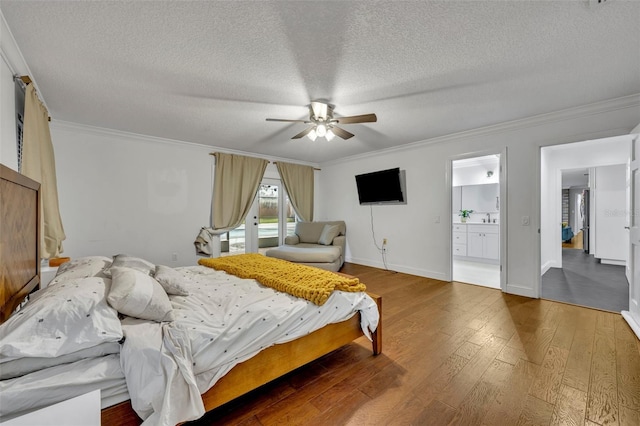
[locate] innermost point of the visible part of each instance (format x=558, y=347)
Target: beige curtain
x=298, y=181
x=235, y=185
x=39, y=164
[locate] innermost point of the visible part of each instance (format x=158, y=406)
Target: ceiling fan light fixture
x=312, y=135
x=321, y=130
x=330, y=135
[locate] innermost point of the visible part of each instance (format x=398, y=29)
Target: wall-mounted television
x=382, y=187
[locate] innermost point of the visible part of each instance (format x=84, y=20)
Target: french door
x=632, y=316
x=269, y=221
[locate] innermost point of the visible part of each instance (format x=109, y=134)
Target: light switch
x=525, y=220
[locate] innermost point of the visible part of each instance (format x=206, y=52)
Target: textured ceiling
x=211, y=72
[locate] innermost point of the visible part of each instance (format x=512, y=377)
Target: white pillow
x=64, y=318
x=171, y=280
x=329, y=232
x=82, y=267
x=138, y=295
x=126, y=261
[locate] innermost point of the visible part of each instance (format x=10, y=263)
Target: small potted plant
x=464, y=215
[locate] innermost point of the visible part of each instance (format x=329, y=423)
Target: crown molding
x=610, y=105
x=12, y=56
x=112, y=133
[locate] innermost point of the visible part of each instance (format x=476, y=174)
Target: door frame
x=502, y=213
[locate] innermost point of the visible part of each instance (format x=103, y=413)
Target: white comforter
x=226, y=320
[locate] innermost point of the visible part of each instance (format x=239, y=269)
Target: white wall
x=587, y=154
x=611, y=239
x=420, y=245
x=8, y=146
x=126, y=193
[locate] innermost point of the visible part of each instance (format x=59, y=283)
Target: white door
x=627, y=225
x=632, y=316
x=270, y=219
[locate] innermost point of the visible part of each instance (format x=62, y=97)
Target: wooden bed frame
x=20, y=274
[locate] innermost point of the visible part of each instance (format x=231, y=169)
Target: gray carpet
x=584, y=281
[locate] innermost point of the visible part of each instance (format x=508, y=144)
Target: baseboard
x=521, y=291
x=546, y=267
x=400, y=268
x=632, y=322
x=613, y=262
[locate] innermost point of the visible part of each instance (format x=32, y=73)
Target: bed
x=19, y=268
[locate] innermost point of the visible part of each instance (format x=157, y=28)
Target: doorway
x=476, y=200
x=270, y=219
x=583, y=237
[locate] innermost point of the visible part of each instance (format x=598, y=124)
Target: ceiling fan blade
x=288, y=121
x=341, y=132
x=365, y=118
x=303, y=133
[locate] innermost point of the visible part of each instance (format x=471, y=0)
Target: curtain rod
x=315, y=168
x=26, y=80
x=274, y=162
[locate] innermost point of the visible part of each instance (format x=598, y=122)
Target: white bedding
x=56, y=384
x=223, y=321
x=227, y=320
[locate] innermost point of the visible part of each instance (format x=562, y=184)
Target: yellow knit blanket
x=303, y=281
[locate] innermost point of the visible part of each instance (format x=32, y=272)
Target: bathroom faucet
x=488, y=217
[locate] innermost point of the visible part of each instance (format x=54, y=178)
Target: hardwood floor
x=460, y=354
x=575, y=243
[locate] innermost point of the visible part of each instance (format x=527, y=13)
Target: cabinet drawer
x=459, y=249
x=459, y=238
x=457, y=227
x=485, y=229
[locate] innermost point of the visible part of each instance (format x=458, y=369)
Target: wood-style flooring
x=463, y=355
x=575, y=243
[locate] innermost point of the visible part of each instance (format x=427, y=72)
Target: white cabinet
x=483, y=241
x=459, y=239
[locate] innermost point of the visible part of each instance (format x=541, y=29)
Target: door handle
x=626, y=227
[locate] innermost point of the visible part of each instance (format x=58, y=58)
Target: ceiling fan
x=324, y=124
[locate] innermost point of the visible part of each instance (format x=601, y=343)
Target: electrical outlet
x=174, y=257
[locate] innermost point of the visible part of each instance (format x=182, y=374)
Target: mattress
x=49, y=386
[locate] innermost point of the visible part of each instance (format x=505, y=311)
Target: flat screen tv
x=382, y=187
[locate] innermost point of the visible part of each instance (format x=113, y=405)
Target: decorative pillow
x=171, y=280
x=62, y=319
x=82, y=267
x=126, y=261
x=329, y=232
x=138, y=295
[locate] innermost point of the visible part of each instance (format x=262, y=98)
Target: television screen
x=382, y=187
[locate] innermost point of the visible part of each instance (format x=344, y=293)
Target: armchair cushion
x=329, y=232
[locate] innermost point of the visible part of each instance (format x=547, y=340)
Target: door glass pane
x=233, y=242
x=268, y=214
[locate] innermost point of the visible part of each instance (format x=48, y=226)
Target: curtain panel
x=38, y=163
x=236, y=181
x=298, y=181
